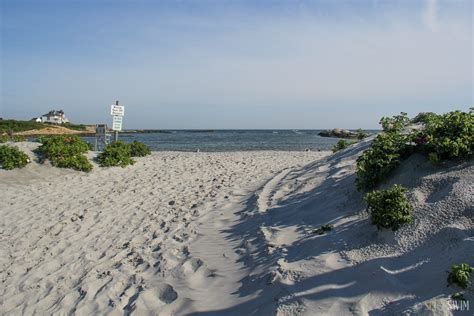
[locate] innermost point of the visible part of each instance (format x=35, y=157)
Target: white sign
x=118, y=110
x=117, y=123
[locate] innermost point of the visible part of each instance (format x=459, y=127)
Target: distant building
x=53, y=117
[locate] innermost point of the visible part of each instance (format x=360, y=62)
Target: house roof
x=54, y=113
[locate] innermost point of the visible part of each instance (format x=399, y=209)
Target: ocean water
x=231, y=140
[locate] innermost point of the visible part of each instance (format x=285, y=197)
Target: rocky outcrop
x=339, y=133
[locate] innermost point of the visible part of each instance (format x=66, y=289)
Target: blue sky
x=236, y=64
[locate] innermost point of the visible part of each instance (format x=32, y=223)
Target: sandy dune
x=229, y=234
x=118, y=240
x=354, y=269
x=57, y=130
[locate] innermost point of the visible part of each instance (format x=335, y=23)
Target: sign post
x=102, y=138
x=117, y=111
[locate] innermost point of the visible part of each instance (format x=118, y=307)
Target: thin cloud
x=430, y=14
x=227, y=62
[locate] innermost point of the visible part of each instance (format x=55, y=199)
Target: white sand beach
x=228, y=234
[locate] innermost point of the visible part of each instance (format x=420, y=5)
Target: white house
x=54, y=117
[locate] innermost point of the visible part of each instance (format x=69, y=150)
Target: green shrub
x=139, y=149
x=361, y=134
x=386, y=152
x=77, y=127
x=423, y=117
x=76, y=162
x=14, y=126
x=378, y=162
x=62, y=146
x=449, y=136
x=460, y=275
x=12, y=157
x=116, y=154
x=342, y=144
x=19, y=138
x=445, y=137
x=458, y=296
x=323, y=229
x=65, y=151
x=3, y=139
x=395, y=124
x=389, y=208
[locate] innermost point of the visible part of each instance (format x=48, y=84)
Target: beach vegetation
x=323, y=229
x=388, y=149
x=395, y=124
x=14, y=126
x=18, y=138
x=116, y=154
x=447, y=137
x=381, y=159
x=11, y=157
x=139, y=149
x=459, y=296
x=14, y=138
x=340, y=145
x=76, y=127
x=460, y=275
x=76, y=162
x=389, y=208
x=65, y=151
x=444, y=137
x=361, y=134
x=423, y=117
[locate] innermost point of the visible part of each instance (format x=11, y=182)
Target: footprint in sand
x=153, y=298
x=192, y=265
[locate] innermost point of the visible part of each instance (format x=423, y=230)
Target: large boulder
x=338, y=133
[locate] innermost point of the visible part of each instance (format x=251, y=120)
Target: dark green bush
x=19, y=138
x=423, y=117
x=445, y=137
x=458, y=296
x=62, y=146
x=381, y=159
x=323, y=229
x=14, y=126
x=116, y=154
x=76, y=162
x=386, y=152
x=77, y=127
x=460, y=275
x=139, y=149
x=3, y=139
x=342, y=144
x=65, y=151
x=395, y=124
x=361, y=134
x=389, y=208
x=12, y=157
x=449, y=136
